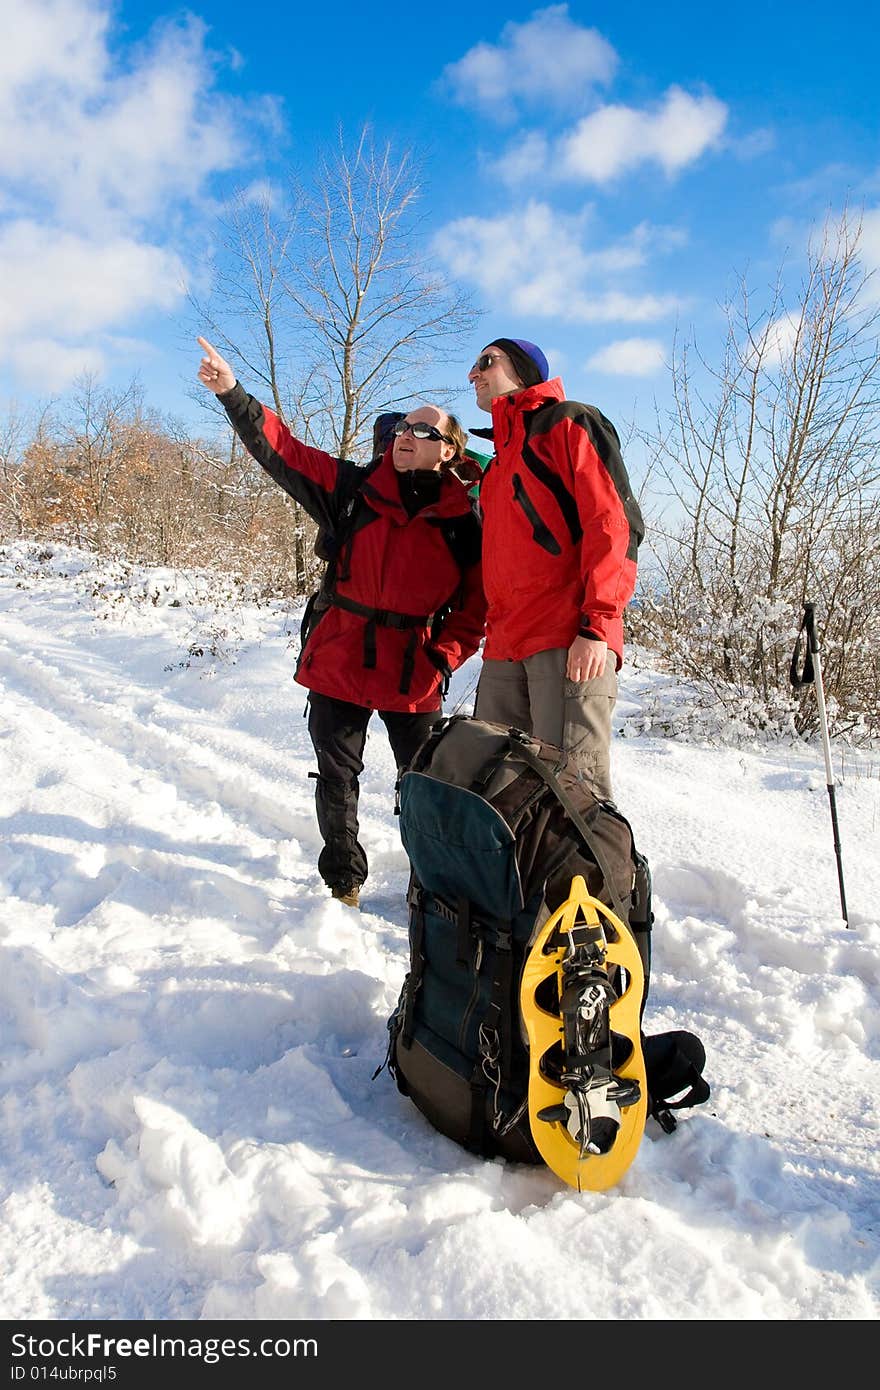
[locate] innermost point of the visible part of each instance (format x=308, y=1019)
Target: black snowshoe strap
x=501, y=995
x=525, y=752
x=476, y=1135
x=674, y=1064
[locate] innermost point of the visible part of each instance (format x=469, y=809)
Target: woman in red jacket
x=402, y=606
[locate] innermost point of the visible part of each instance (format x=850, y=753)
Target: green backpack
x=496, y=825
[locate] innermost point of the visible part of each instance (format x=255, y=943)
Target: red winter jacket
x=396, y=565
x=561, y=527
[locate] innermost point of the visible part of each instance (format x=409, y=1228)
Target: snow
x=189, y=1026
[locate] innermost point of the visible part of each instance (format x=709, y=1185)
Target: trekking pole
x=465, y=696
x=810, y=672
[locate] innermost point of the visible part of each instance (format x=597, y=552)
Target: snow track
x=189, y=1026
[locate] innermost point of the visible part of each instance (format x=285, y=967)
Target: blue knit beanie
x=528, y=360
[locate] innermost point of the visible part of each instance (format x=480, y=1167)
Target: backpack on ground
x=518, y=1031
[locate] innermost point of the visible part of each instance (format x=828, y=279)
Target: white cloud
x=826, y=238
x=66, y=284
x=261, y=193
x=629, y=357
x=761, y=141
x=103, y=150
x=549, y=58
x=98, y=142
x=615, y=139
x=58, y=41
x=48, y=366
x=534, y=262
x=869, y=255
x=528, y=156
x=816, y=186
x=778, y=339
x=63, y=290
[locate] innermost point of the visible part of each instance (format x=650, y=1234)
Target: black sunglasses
x=421, y=430
x=485, y=361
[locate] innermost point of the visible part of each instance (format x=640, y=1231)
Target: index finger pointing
x=211, y=351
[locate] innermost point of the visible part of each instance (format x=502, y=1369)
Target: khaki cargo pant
x=536, y=696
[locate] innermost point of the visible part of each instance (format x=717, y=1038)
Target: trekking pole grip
x=806, y=674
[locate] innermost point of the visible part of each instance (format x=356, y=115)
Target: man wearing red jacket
x=561, y=531
x=403, y=604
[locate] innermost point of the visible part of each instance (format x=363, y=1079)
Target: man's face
x=497, y=378
x=427, y=454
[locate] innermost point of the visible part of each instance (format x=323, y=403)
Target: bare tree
x=327, y=301
x=253, y=318
x=97, y=447
x=773, y=465
x=250, y=314
x=327, y=298
x=379, y=317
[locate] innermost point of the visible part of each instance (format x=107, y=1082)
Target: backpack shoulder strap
x=523, y=750
x=349, y=492
x=331, y=541
x=464, y=536
x=351, y=515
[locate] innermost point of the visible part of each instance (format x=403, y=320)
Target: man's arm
x=608, y=546
x=462, y=631
x=308, y=475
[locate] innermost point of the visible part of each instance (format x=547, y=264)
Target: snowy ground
x=188, y=1026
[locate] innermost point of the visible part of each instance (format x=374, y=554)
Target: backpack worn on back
x=496, y=825
x=353, y=512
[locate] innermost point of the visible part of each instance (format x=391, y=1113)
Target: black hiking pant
x=338, y=731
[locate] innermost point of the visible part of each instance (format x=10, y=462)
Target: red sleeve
x=608, y=565
x=309, y=475
x=463, y=630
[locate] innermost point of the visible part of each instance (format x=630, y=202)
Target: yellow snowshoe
x=581, y=997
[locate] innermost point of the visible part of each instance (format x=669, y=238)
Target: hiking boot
x=347, y=896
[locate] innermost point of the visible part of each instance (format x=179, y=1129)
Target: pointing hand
x=215, y=372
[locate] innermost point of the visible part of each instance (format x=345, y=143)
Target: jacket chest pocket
x=541, y=533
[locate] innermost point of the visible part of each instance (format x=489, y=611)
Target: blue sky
x=596, y=175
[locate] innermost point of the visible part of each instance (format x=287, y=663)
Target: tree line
x=103, y=472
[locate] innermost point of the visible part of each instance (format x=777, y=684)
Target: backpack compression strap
x=519, y=739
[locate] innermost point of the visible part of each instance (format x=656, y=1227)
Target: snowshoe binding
x=581, y=995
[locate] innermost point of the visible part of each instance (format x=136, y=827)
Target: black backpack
x=496, y=825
